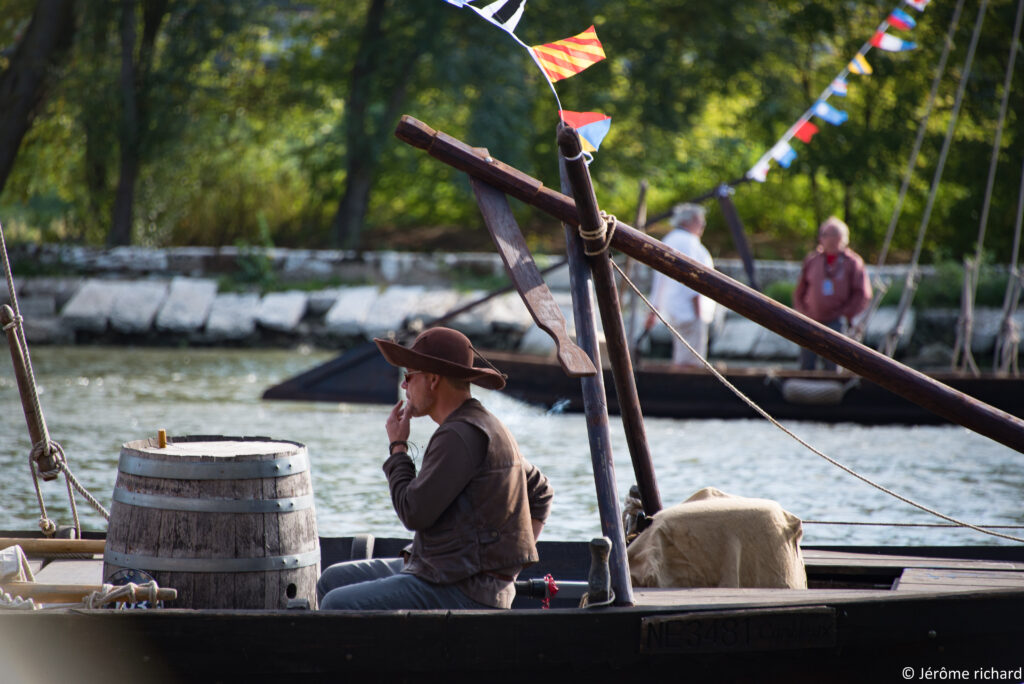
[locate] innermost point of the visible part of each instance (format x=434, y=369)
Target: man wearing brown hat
x=476, y=506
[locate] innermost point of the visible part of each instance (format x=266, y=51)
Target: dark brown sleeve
x=448, y=465
x=539, y=491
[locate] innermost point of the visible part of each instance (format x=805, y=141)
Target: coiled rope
x=764, y=414
x=603, y=234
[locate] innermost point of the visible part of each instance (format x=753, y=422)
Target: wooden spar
x=45, y=462
x=611, y=317
x=45, y=546
x=522, y=270
x=72, y=593
x=595, y=407
x=917, y=387
x=739, y=237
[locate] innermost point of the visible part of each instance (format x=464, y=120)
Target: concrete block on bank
x=321, y=301
x=433, y=304
x=60, y=288
x=352, y=305
x=37, y=306
x=538, y=341
x=770, y=346
x=282, y=310
x=136, y=305
x=985, y=330
x=507, y=312
x=89, y=309
x=883, y=321
x=187, y=305
x=737, y=339
x=391, y=309
x=232, y=316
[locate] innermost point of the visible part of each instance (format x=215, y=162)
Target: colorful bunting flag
x=823, y=110
x=859, y=65
x=759, y=172
x=884, y=41
x=838, y=87
x=901, y=20
x=504, y=13
x=783, y=153
x=806, y=131
x=591, y=127
x=459, y=3
x=570, y=56
x=919, y=5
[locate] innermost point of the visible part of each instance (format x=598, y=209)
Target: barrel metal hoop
x=155, y=563
x=177, y=503
x=210, y=470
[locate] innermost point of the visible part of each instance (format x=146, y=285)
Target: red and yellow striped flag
x=570, y=56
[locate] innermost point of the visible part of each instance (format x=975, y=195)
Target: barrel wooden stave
x=218, y=535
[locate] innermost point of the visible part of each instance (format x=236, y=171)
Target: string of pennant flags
x=567, y=57
x=557, y=61
x=804, y=129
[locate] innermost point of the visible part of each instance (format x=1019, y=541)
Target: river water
x=97, y=398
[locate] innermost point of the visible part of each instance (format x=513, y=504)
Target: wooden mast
x=913, y=385
x=611, y=317
x=595, y=408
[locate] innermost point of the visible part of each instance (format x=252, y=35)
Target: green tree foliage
x=285, y=111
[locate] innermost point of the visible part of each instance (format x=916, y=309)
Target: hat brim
x=403, y=357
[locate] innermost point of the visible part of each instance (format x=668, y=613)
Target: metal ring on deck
x=177, y=503
x=156, y=563
x=209, y=470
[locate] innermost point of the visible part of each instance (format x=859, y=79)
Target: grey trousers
x=380, y=584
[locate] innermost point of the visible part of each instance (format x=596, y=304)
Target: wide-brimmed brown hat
x=443, y=351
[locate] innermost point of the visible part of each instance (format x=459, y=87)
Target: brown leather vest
x=488, y=525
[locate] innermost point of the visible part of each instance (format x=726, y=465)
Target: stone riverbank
x=173, y=297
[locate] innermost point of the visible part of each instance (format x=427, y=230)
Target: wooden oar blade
x=523, y=272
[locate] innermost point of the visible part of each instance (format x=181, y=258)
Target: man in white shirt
x=689, y=312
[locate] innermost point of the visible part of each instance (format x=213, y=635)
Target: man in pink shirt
x=833, y=285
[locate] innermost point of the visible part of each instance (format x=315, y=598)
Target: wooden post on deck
x=595, y=408
x=614, y=331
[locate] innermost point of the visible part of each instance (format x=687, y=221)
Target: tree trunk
x=124, y=199
x=134, y=76
x=24, y=83
x=363, y=139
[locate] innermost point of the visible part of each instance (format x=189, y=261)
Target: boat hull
x=665, y=391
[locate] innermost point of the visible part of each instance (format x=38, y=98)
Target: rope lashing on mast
x=764, y=414
x=46, y=458
x=965, y=326
x=602, y=233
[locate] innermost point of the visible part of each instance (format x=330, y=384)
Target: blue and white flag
x=783, y=153
x=459, y=3
x=823, y=110
x=884, y=41
x=838, y=87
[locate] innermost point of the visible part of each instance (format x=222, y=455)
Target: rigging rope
x=45, y=448
x=910, y=287
x=764, y=414
x=965, y=327
x=1008, y=339
x=882, y=286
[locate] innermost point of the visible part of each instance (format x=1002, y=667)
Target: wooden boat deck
x=887, y=576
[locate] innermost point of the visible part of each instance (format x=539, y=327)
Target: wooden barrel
x=227, y=521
